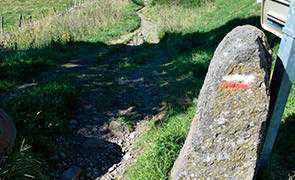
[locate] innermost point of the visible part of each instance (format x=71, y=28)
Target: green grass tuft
x=23, y=164
x=40, y=114
x=130, y=123
x=161, y=145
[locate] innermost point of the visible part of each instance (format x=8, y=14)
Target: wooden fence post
x=20, y=21
x=24, y=20
x=54, y=11
x=30, y=20
x=42, y=13
x=2, y=25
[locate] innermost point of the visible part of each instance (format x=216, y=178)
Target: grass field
x=11, y=10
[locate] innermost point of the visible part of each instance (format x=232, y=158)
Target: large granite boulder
x=228, y=129
x=7, y=133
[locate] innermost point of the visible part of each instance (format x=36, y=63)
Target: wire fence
x=24, y=21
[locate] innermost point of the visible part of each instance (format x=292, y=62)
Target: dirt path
x=123, y=82
x=124, y=79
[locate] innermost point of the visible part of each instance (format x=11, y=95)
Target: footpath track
x=122, y=79
x=118, y=81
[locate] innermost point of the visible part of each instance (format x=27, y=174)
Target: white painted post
x=283, y=77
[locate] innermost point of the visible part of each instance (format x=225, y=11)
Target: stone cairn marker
x=228, y=129
x=7, y=134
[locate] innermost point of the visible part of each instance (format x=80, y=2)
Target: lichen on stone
x=227, y=131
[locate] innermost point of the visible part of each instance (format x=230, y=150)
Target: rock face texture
x=7, y=133
x=227, y=131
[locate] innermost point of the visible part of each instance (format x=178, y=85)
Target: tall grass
x=183, y=3
x=33, y=49
x=95, y=21
x=11, y=10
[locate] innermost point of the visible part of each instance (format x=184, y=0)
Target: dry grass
x=11, y=10
x=91, y=22
x=175, y=19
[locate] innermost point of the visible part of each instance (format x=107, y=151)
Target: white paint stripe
x=246, y=79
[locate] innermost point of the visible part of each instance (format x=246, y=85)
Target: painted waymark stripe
x=245, y=79
x=237, y=81
x=236, y=85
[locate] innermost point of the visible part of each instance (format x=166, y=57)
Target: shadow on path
x=137, y=82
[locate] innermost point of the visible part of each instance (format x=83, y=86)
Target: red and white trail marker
x=237, y=81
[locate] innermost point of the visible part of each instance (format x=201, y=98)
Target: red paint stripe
x=236, y=85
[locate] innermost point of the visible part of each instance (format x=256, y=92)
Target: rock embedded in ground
x=127, y=156
x=72, y=173
x=7, y=133
x=227, y=131
x=119, y=129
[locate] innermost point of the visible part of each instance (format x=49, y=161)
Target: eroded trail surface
x=125, y=81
